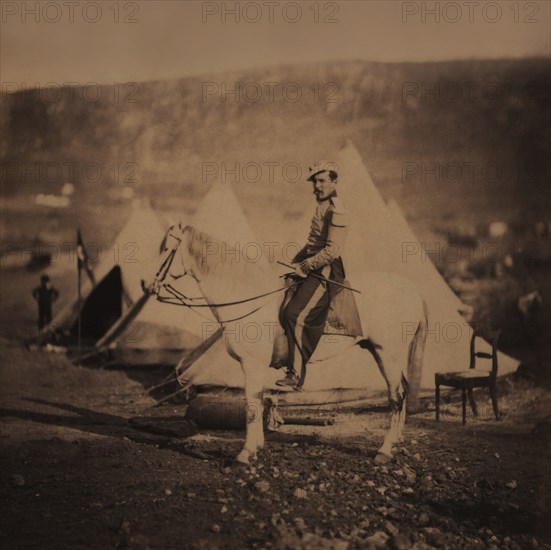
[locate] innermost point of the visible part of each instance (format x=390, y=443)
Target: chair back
x=492, y=336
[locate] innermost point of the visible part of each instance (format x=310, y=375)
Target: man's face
x=323, y=185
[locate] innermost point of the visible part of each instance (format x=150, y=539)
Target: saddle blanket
x=343, y=317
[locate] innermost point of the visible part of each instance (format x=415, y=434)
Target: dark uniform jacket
x=326, y=240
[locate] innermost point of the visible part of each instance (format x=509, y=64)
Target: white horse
x=390, y=309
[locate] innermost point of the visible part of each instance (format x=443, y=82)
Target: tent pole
x=79, y=301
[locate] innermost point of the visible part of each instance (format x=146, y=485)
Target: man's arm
x=336, y=238
x=300, y=255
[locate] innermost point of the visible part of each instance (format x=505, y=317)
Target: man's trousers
x=44, y=316
x=304, y=317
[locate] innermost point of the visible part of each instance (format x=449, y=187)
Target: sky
x=109, y=41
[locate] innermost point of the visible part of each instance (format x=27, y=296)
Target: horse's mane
x=219, y=258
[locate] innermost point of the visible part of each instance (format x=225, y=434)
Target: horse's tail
x=415, y=359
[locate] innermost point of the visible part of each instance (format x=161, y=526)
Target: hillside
x=484, y=126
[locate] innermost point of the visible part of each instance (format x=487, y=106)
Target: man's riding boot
x=291, y=380
x=280, y=352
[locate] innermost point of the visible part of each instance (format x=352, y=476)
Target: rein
x=181, y=302
x=180, y=299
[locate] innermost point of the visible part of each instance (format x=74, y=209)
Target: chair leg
x=437, y=402
x=464, y=405
x=472, y=402
x=493, y=395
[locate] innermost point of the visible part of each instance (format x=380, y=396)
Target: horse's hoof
x=243, y=457
x=382, y=458
x=246, y=457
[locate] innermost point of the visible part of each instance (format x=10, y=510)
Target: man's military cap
x=321, y=166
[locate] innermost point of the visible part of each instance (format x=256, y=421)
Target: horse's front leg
x=254, y=384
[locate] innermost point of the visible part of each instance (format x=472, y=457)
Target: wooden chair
x=472, y=378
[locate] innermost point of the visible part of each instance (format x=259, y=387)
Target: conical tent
x=115, y=312
x=375, y=242
x=220, y=214
x=421, y=270
x=381, y=240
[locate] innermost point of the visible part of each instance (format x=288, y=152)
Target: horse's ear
x=184, y=228
x=162, y=246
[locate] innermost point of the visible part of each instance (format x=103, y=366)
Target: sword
x=321, y=278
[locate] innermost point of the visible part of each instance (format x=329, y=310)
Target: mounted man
x=304, y=312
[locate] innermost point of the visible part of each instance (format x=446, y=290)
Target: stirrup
x=291, y=380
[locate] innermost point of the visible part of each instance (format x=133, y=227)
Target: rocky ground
x=86, y=462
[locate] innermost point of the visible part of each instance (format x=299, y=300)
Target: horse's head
x=174, y=251
x=189, y=251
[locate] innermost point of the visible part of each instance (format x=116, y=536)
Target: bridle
x=179, y=299
x=166, y=264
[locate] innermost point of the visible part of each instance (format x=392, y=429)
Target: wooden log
x=309, y=421
x=217, y=412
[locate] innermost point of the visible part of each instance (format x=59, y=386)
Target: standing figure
x=45, y=295
x=303, y=317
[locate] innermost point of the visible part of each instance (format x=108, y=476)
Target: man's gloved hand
x=298, y=272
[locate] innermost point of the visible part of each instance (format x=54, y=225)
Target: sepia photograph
x=275, y=274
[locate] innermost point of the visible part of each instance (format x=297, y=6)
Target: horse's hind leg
x=389, y=365
x=397, y=397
